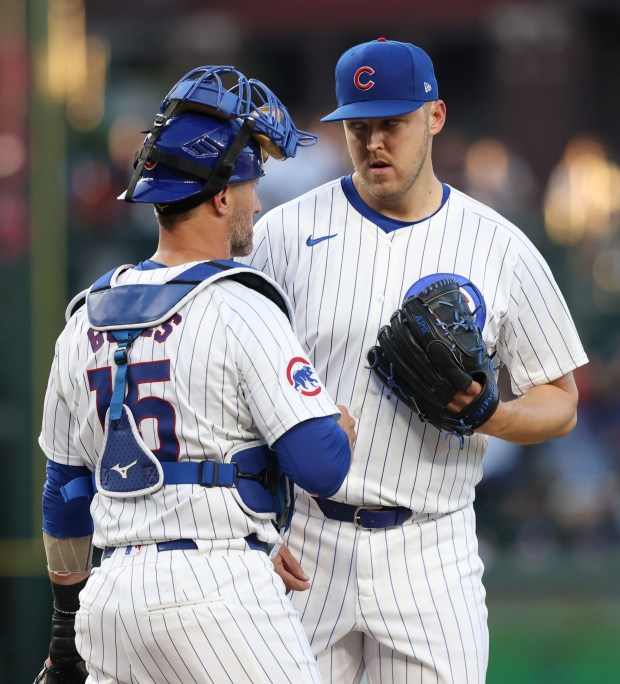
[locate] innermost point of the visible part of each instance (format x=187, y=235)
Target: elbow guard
x=62, y=519
x=316, y=455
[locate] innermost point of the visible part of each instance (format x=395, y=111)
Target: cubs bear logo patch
x=302, y=378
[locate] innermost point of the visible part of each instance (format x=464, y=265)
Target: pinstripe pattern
x=417, y=613
x=209, y=627
x=220, y=613
x=364, y=273
x=416, y=590
x=228, y=358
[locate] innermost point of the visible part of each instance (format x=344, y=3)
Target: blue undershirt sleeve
x=316, y=455
x=60, y=519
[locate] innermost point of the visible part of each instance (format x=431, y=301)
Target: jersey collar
x=385, y=223
x=148, y=265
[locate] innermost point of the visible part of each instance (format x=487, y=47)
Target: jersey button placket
x=385, y=258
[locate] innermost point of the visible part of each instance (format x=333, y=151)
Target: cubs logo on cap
x=361, y=79
x=382, y=78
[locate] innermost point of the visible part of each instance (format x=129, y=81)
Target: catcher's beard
x=241, y=232
x=384, y=193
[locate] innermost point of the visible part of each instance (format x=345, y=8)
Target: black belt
x=365, y=517
x=252, y=541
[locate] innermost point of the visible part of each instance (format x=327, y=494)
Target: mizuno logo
x=315, y=241
x=123, y=471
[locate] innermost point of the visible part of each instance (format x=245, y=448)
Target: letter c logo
x=357, y=79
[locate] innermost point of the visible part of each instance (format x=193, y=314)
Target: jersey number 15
x=155, y=408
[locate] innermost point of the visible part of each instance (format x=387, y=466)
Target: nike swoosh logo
x=315, y=241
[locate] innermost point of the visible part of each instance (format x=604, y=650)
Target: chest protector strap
x=127, y=467
x=145, y=305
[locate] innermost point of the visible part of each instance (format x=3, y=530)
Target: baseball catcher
x=185, y=521
x=433, y=348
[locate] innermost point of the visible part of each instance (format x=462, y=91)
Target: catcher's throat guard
x=432, y=349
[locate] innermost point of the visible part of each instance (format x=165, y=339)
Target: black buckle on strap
x=267, y=478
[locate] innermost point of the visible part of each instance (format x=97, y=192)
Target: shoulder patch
x=302, y=377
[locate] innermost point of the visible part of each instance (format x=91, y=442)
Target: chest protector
x=127, y=467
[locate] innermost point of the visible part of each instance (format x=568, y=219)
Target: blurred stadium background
x=533, y=97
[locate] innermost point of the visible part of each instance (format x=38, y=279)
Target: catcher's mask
x=208, y=134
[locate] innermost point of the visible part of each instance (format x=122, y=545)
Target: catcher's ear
x=221, y=201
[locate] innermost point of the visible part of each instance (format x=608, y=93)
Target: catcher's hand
x=69, y=671
x=64, y=665
x=433, y=349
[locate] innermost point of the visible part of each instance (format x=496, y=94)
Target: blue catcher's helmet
x=207, y=134
x=195, y=143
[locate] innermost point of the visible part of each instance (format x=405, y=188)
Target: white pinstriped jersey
x=345, y=276
x=211, y=378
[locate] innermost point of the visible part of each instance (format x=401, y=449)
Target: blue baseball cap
x=382, y=78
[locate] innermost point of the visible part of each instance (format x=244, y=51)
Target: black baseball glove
x=432, y=349
x=69, y=671
x=67, y=665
